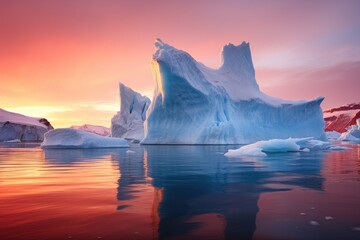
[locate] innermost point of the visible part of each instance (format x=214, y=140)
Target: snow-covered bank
x=261, y=148
x=74, y=138
x=18, y=127
x=340, y=118
x=194, y=104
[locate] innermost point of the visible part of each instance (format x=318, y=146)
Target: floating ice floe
x=314, y=223
x=261, y=148
x=74, y=138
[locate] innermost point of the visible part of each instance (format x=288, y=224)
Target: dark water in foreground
x=177, y=192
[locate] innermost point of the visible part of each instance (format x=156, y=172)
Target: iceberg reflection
x=78, y=155
x=191, y=187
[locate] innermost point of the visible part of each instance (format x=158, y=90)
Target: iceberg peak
x=160, y=44
x=238, y=58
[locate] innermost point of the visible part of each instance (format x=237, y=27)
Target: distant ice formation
x=74, y=138
x=99, y=130
x=340, y=118
x=194, y=104
x=343, y=119
x=129, y=122
x=18, y=127
x=262, y=148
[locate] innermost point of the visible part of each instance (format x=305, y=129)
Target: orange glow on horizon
x=64, y=60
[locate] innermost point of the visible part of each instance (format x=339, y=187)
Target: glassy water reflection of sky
x=177, y=192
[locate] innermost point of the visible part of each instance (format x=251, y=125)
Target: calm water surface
x=177, y=192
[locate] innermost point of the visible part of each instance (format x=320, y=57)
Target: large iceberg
x=194, y=104
x=18, y=127
x=129, y=122
x=75, y=138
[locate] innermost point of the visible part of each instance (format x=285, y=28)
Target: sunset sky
x=63, y=59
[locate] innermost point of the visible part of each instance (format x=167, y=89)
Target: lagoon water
x=177, y=192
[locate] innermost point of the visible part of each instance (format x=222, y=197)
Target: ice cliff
x=14, y=126
x=129, y=122
x=194, y=104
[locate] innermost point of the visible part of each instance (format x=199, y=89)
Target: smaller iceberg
x=74, y=138
x=352, y=133
x=261, y=148
x=129, y=122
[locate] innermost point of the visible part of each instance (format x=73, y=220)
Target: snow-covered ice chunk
x=74, y=138
x=194, y=104
x=261, y=148
x=129, y=122
x=346, y=136
x=312, y=144
x=352, y=133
